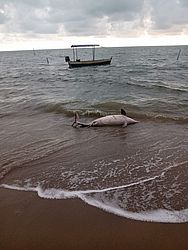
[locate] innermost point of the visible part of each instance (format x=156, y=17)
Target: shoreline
x=29, y=222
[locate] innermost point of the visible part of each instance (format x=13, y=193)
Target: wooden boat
x=76, y=62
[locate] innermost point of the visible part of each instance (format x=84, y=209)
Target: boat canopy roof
x=85, y=45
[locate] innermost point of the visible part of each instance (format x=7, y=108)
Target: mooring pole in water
x=34, y=52
x=178, y=54
x=47, y=60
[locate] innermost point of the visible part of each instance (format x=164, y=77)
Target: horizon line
x=120, y=46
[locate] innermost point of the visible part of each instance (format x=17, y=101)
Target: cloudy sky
x=40, y=24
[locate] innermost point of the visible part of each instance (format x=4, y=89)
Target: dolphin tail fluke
x=76, y=119
x=76, y=122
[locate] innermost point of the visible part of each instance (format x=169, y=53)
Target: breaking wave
x=145, y=111
x=158, y=215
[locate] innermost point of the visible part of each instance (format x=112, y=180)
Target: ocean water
x=138, y=172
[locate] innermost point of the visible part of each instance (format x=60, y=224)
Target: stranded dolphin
x=109, y=120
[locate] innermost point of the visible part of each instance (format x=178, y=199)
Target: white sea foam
x=159, y=215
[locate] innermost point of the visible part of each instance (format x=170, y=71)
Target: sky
x=54, y=24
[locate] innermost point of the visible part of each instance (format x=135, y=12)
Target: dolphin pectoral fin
x=123, y=112
x=124, y=125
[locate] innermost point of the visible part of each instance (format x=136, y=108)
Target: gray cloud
x=100, y=17
x=2, y=18
x=95, y=16
x=169, y=15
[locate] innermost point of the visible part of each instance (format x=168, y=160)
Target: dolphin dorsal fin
x=123, y=112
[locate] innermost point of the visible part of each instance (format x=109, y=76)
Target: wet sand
x=29, y=222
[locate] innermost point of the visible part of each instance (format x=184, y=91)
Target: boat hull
x=76, y=64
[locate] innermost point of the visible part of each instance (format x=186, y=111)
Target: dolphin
x=109, y=120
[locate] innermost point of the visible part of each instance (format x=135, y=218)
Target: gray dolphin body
x=109, y=120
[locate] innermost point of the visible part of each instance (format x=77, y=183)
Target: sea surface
x=138, y=172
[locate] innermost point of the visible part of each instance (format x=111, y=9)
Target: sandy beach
x=29, y=222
